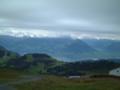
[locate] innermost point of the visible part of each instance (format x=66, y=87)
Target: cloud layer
x=88, y=18
x=35, y=33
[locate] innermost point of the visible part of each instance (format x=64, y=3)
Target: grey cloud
x=99, y=16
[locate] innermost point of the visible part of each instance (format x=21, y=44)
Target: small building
x=115, y=72
x=73, y=77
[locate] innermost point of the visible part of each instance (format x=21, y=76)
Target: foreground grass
x=9, y=75
x=61, y=83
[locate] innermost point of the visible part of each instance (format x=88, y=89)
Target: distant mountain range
x=65, y=48
x=104, y=45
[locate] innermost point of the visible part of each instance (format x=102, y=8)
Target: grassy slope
x=60, y=83
x=9, y=75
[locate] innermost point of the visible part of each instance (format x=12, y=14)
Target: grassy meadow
x=60, y=83
x=49, y=82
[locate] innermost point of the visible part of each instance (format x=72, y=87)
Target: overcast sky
x=76, y=18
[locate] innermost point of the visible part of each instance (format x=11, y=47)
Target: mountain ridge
x=65, y=49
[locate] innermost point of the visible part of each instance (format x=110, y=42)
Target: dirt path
x=6, y=87
x=24, y=79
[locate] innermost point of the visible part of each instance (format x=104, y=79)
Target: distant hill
x=2, y=48
x=114, y=47
x=2, y=51
x=85, y=67
x=30, y=62
x=33, y=63
x=100, y=45
x=107, y=49
x=60, y=48
x=77, y=50
x=78, y=46
x=44, y=64
x=64, y=49
x=6, y=53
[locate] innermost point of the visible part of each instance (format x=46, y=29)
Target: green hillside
x=38, y=63
x=34, y=63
